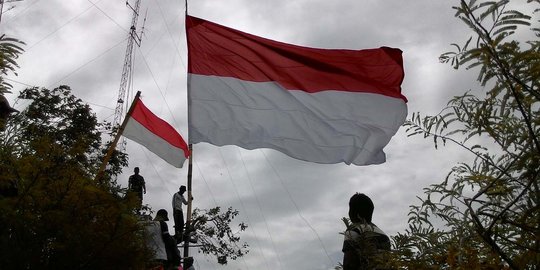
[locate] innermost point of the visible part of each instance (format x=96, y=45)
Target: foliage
x=59, y=217
x=215, y=234
x=52, y=212
x=9, y=52
x=485, y=214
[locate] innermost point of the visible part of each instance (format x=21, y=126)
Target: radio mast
x=2, y=6
x=126, y=90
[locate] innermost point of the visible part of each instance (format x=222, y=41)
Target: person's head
x=162, y=215
x=360, y=208
x=5, y=111
x=182, y=189
x=136, y=170
x=188, y=261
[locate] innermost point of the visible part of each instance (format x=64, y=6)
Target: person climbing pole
x=178, y=214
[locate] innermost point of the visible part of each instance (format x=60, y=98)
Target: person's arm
x=164, y=228
x=143, y=185
x=184, y=200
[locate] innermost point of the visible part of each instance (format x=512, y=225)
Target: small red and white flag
x=158, y=136
x=317, y=105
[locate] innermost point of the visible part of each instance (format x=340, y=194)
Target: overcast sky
x=293, y=208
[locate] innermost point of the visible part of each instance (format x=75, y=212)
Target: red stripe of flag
x=226, y=52
x=158, y=126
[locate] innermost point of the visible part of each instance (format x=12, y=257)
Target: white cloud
x=287, y=202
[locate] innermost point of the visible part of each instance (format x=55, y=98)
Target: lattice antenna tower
x=125, y=90
x=2, y=11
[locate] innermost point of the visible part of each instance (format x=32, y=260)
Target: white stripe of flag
x=317, y=105
x=158, y=136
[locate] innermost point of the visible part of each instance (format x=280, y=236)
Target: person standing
x=172, y=252
x=188, y=263
x=364, y=242
x=154, y=239
x=137, y=185
x=178, y=214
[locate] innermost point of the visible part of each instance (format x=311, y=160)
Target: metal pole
x=1, y=9
x=127, y=70
x=2, y=6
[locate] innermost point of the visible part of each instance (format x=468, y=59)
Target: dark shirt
x=362, y=246
x=136, y=183
x=164, y=227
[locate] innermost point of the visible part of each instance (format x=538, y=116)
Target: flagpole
x=112, y=147
x=187, y=231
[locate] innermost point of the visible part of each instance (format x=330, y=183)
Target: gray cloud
x=293, y=207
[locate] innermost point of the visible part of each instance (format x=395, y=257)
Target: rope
x=237, y=195
x=170, y=35
x=106, y=15
x=298, y=209
x=62, y=26
x=260, y=211
x=88, y=62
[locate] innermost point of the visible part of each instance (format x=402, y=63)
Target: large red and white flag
x=158, y=136
x=317, y=105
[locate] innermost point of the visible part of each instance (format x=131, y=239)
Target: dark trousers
x=178, y=222
x=139, y=194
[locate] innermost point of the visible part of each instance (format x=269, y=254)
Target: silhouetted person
x=154, y=233
x=177, y=201
x=5, y=111
x=364, y=242
x=188, y=263
x=137, y=185
x=173, y=254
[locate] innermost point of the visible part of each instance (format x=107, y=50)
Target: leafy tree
x=485, y=214
x=59, y=218
x=9, y=52
x=52, y=213
x=215, y=235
